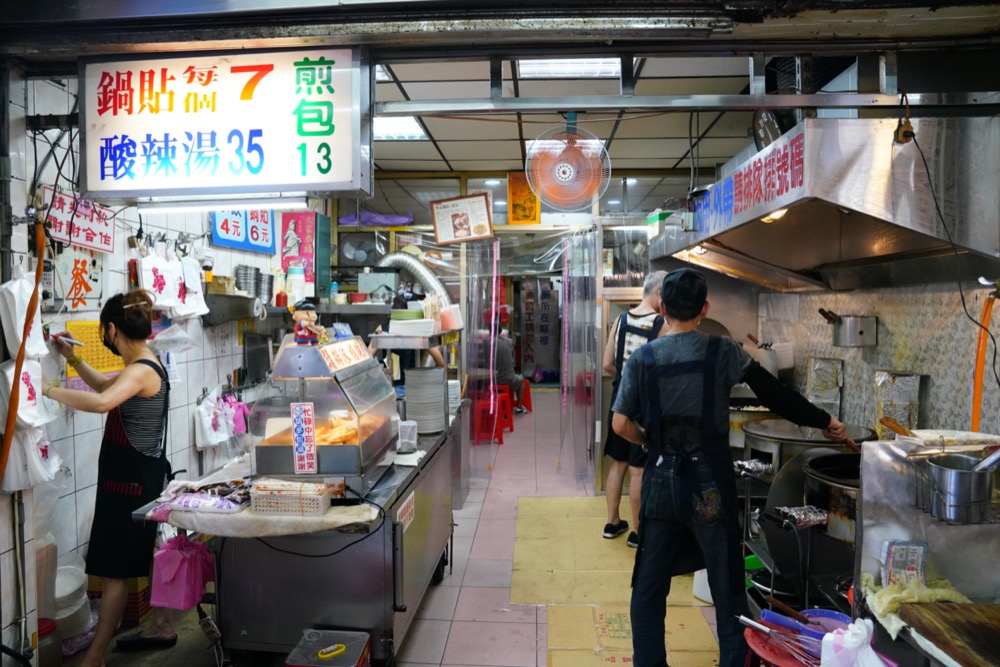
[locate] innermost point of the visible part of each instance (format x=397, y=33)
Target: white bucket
x=700, y=587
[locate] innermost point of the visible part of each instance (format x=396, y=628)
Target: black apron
x=703, y=461
x=126, y=480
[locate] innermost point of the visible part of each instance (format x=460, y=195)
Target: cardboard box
x=137, y=607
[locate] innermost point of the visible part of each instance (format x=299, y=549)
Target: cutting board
x=967, y=633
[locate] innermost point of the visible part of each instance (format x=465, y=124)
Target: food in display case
x=327, y=410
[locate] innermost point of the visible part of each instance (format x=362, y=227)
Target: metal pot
x=832, y=483
x=959, y=494
x=779, y=440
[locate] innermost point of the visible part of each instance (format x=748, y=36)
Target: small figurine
x=306, y=332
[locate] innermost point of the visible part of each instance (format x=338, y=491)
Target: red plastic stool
x=526, y=401
x=584, y=387
x=506, y=416
x=505, y=412
x=487, y=425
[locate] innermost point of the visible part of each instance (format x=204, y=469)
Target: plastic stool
x=506, y=416
x=487, y=427
x=584, y=387
x=505, y=413
x=526, y=401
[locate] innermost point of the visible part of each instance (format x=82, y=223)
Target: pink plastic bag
x=181, y=568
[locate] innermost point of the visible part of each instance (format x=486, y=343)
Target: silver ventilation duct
x=426, y=277
x=860, y=212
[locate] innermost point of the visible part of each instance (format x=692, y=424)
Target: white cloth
x=249, y=524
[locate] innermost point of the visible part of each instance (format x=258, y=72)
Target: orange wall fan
x=568, y=168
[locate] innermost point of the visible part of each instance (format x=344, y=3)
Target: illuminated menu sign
x=344, y=353
x=243, y=122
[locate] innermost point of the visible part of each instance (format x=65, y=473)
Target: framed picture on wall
x=523, y=206
x=462, y=219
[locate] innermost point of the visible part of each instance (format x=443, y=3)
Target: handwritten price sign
x=246, y=230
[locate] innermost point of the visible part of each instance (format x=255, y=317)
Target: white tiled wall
x=77, y=435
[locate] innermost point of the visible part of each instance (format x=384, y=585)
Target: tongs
x=760, y=346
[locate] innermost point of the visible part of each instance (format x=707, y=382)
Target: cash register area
x=528, y=555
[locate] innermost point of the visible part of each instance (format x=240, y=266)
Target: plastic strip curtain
x=579, y=354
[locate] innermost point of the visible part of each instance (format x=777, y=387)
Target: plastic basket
x=299, y=504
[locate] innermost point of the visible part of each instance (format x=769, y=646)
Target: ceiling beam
x=983, y=103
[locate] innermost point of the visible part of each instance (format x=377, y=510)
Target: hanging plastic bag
x=32, y=461
x=191, y=300
x=181, y=568
x=173, y=339
x=31, y=411
x=15, y=295
x=211, y=428
x=162, y=279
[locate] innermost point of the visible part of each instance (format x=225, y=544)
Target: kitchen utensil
x=852, y=330
x=829, y=315
x=958, y=493
x=896, y=427
x=803, y=648
x=988, y=462
x=789, y=612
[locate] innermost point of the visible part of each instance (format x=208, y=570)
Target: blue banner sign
x=246, y=230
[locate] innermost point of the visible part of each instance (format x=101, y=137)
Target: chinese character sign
x=247, y=230
x=769, y=180
x=78, y=221
x=247, y=121
x=539, y=326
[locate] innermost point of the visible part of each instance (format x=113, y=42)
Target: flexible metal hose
x=404, y=260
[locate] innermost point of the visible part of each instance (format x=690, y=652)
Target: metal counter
x=270, y=589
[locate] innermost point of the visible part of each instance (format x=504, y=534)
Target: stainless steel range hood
x=859, y=208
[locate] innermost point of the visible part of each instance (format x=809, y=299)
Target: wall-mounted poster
x=523, y=206
x=461, y=219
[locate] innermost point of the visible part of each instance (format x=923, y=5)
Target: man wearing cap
x=674, y=401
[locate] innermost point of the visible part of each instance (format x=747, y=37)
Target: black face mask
x=111, y=346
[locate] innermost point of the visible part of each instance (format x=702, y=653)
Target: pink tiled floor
x=468, y=620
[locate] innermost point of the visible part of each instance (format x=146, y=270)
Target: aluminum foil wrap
x=897, y=395
x=823, y=383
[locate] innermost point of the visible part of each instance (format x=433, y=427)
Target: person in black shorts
x=630, y=331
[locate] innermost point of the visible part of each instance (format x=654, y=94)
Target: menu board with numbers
x=247, y=230
x=209, y=124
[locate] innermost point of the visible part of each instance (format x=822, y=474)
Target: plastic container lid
x=46, y=626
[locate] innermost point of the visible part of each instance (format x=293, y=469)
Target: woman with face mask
x=132, y=467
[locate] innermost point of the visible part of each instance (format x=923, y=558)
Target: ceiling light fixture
x=775, y=215
x=492, y=182
x=500, y=202
x=290, y=203
x=614, y=202
x=397, y=128
x=575, y=68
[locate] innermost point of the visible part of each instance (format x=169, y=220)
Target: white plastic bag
x=191, y=300
x=31, y=410
x=15, y=296
x=211, y=427
x=173, y=339
x=162, y=278
x=27, y=465
x=851, y=646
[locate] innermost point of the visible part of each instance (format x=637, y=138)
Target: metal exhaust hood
x=860, y=212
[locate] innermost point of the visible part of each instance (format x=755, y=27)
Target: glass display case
x=328, y=411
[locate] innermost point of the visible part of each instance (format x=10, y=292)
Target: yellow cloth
x=884, y=602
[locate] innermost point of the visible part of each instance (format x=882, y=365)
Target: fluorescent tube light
x=249, y=203
x=576, y=68
x=397, y=128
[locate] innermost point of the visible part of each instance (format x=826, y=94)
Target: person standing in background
x=132, y=467
x=674, y=401
x=629, y=332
